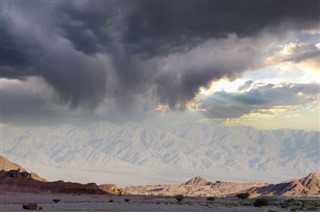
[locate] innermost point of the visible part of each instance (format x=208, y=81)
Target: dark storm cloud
x=87, y=26
x=22, y=104
x=90, y=51
x=222, y=104
x=152, y=28
x=166, y=26
x=28, y=49
x=17, y=51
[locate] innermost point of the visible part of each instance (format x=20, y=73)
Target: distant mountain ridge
x=234, y=152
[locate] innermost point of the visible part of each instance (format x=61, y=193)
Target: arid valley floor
x=82, y=202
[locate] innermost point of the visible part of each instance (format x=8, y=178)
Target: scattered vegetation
x=243, y=195
x=261, y=202
x=56, y=200
x=244, y=203
x=179, y=198
x=299, y=205
x=126, y=200
x=295, y=208
x=311, y=205
x=211, y=198
x=294, y=204
x=231, y=204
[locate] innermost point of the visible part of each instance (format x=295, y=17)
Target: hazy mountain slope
x=195, y=148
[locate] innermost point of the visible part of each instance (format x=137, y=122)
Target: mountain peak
x=7, y=165
x=313, y=175
x=197, y=181
x=311, y=181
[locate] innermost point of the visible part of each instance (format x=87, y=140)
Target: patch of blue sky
x=309, y=38
x=265, y=73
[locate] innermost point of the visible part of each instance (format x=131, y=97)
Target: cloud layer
x=255, y=97
x=128, y=56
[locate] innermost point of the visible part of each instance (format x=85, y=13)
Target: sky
x=247, y=62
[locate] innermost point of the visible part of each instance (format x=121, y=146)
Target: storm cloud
x=94, y=52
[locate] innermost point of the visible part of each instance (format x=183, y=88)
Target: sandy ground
x=14, y=201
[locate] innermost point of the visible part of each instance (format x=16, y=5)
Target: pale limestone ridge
x=7, y=165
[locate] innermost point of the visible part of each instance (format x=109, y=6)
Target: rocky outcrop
x=307, y=186
x=15, y=181
x=197, y=181
x=14, y=170
x=111, y=188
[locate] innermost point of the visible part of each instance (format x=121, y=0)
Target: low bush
x=56, y=200
x=211, y=198
x=179, y=198
x=261, y=202
x=243, y=195
x=245, y=203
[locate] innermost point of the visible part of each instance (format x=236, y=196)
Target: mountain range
x=308, y=186
x=135, y=154
x=14, y=178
